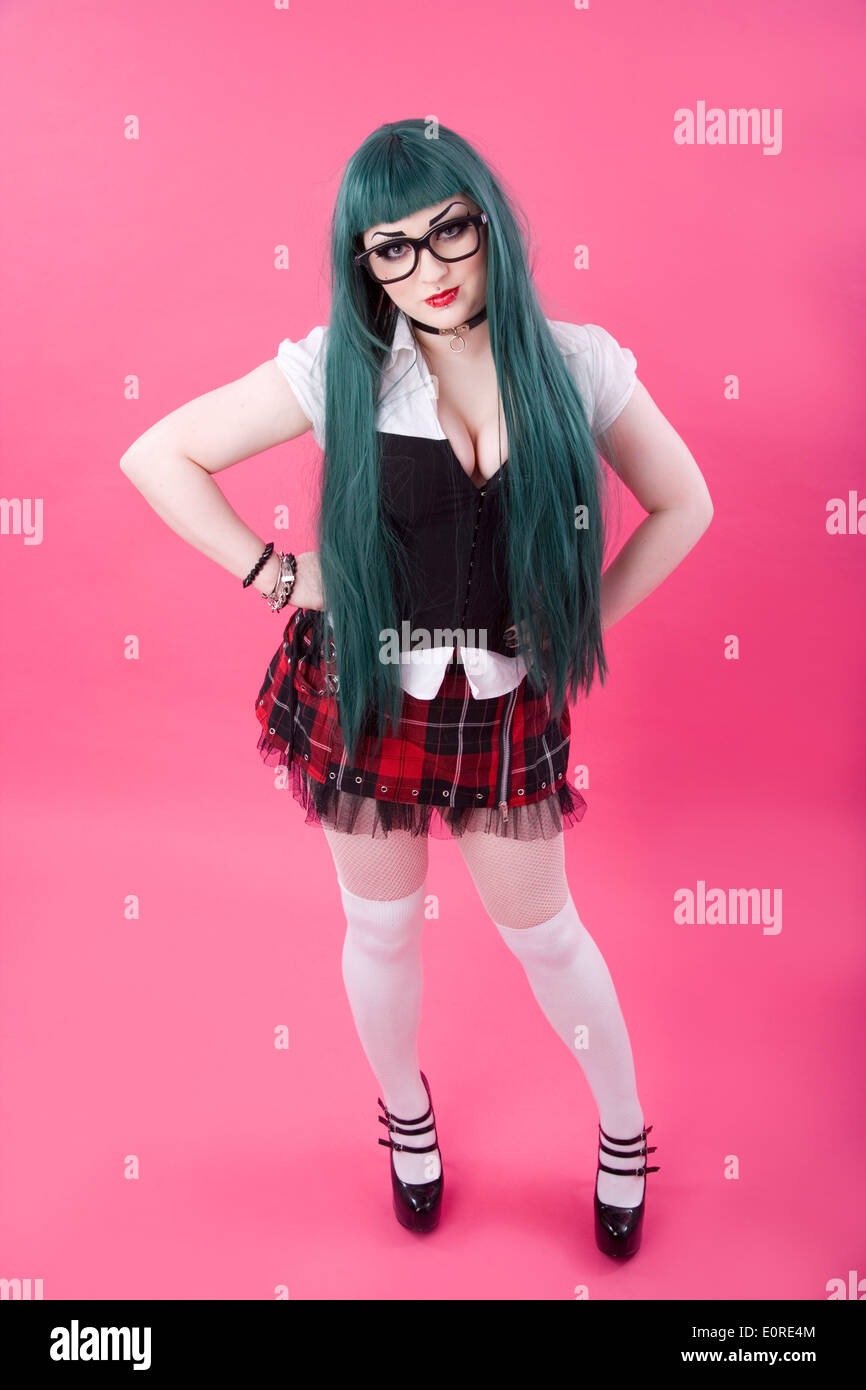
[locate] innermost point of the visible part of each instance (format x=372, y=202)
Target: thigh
x=520, y=882
x=382, y=866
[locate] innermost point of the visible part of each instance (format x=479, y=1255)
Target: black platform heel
x=416, y=1204
x=618, y=1229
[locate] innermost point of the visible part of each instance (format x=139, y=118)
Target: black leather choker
x=458, y=342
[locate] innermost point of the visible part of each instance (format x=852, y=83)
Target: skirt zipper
x=505, y=758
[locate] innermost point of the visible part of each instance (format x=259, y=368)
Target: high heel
x=416, y=1204
x=618, y=1229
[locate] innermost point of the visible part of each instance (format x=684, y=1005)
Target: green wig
x=552, y=504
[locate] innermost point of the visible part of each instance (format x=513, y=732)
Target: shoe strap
x=409, y=1148
x=613, y=1140
x=427, y=1113
x=396, y=1128
x=629, y=1172
x=628, y=1153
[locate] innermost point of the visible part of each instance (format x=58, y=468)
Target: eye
x=384, y=253
x=449, y=231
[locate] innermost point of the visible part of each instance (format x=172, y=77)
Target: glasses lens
x=392, y=261
x=451, y=242
x=455, y=239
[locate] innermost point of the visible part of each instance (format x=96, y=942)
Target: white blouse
x=605, y=375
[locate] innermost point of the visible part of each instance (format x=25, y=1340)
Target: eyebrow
x=437, y=218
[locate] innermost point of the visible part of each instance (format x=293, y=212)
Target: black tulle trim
x=325, y=803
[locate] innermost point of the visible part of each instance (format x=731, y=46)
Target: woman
x=455, y=603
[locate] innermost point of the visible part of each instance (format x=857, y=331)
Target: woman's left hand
x=307, y=588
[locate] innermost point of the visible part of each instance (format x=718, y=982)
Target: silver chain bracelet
x=282, y=590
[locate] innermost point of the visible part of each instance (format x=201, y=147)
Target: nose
x=430, y=271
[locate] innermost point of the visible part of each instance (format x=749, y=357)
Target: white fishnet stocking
x=379, y=867
x=520, y=882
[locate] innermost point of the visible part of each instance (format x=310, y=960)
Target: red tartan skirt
x=454, y=764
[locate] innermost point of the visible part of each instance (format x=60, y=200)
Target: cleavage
x=479, y=470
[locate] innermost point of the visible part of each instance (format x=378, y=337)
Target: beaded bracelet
x=262, y=561
x=285, y=583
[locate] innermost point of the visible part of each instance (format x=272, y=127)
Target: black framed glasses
x=454, y=240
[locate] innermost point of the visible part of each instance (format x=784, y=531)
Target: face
x=431, y=276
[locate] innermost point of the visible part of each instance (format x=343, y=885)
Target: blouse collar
x=403, y=337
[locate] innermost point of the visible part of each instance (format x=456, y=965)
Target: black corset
x=454, y=541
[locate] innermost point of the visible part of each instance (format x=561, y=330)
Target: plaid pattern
x=452, y=755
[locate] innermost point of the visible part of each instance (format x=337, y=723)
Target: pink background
x=154, y=1037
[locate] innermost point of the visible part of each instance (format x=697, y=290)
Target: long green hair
x=552, y=500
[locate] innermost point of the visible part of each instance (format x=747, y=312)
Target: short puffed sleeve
x=303, y=365
x=614, y=371
x=603, y=372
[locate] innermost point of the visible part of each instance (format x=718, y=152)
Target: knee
x=554, y=942
x=384, y=927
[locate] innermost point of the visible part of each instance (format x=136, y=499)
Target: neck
x=436, y=346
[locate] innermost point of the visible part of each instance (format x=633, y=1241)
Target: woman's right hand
x=511, y=638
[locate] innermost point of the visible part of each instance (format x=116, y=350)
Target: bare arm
x=657, y=467
x=172, y=465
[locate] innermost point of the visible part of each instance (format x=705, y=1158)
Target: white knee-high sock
x=572, y=984
x=382, y=972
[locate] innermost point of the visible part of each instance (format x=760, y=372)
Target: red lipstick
x=440, y=301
